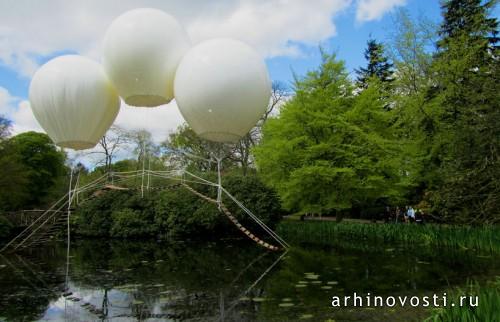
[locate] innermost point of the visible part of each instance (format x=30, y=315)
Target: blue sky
x=287, y=33
x=350, y=42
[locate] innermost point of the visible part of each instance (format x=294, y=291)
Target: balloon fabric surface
x=142, y=49
x=73, y=100
x=222, y=88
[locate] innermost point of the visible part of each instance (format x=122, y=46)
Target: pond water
x=228, y=280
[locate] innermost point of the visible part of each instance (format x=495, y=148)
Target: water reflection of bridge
x=100, y=293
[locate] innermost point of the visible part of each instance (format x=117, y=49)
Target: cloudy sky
x=286, y=32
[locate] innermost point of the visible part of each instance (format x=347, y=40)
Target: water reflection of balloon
x=142, y=49
x=222, y=89
x=73, y=100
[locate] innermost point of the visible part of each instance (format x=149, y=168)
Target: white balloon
x=222, y=88
x=73, y=100
x=142, y=49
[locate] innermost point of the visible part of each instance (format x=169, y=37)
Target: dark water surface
x=223, y=281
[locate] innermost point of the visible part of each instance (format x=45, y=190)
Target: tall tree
x=469, y=18
x=378, y=65
x=144, y=147
x=115, y=140
x=468, y=139
x=330, y=150
x=411, y=49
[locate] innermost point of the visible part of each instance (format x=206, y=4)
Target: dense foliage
x=32, y=171
x=175, y=212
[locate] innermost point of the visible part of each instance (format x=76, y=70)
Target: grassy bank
x=484, y=239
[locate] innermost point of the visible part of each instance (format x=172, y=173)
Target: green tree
x=467, y=141
x=329, y=150
x=414, y=117
x=378, y=65
x=43, y=165
x=411, y=48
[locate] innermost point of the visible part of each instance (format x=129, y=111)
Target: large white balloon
x=142, y=49
x=222, y=88
x=73, y=100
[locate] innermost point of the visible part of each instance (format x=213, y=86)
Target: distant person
x=411, y=214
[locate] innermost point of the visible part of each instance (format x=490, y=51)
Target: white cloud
x=273, y=27
x=23, y=119
x=30, y=29
x=5, y=99
x=19, y=112
x=368, y=10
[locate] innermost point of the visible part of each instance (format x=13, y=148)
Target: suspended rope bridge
x=45, y=228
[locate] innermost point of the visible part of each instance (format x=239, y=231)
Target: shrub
x=176, y=212
x=131, y=223
x=94, y=217
x=181, y=213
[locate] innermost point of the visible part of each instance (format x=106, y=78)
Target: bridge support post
x=70, y=197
